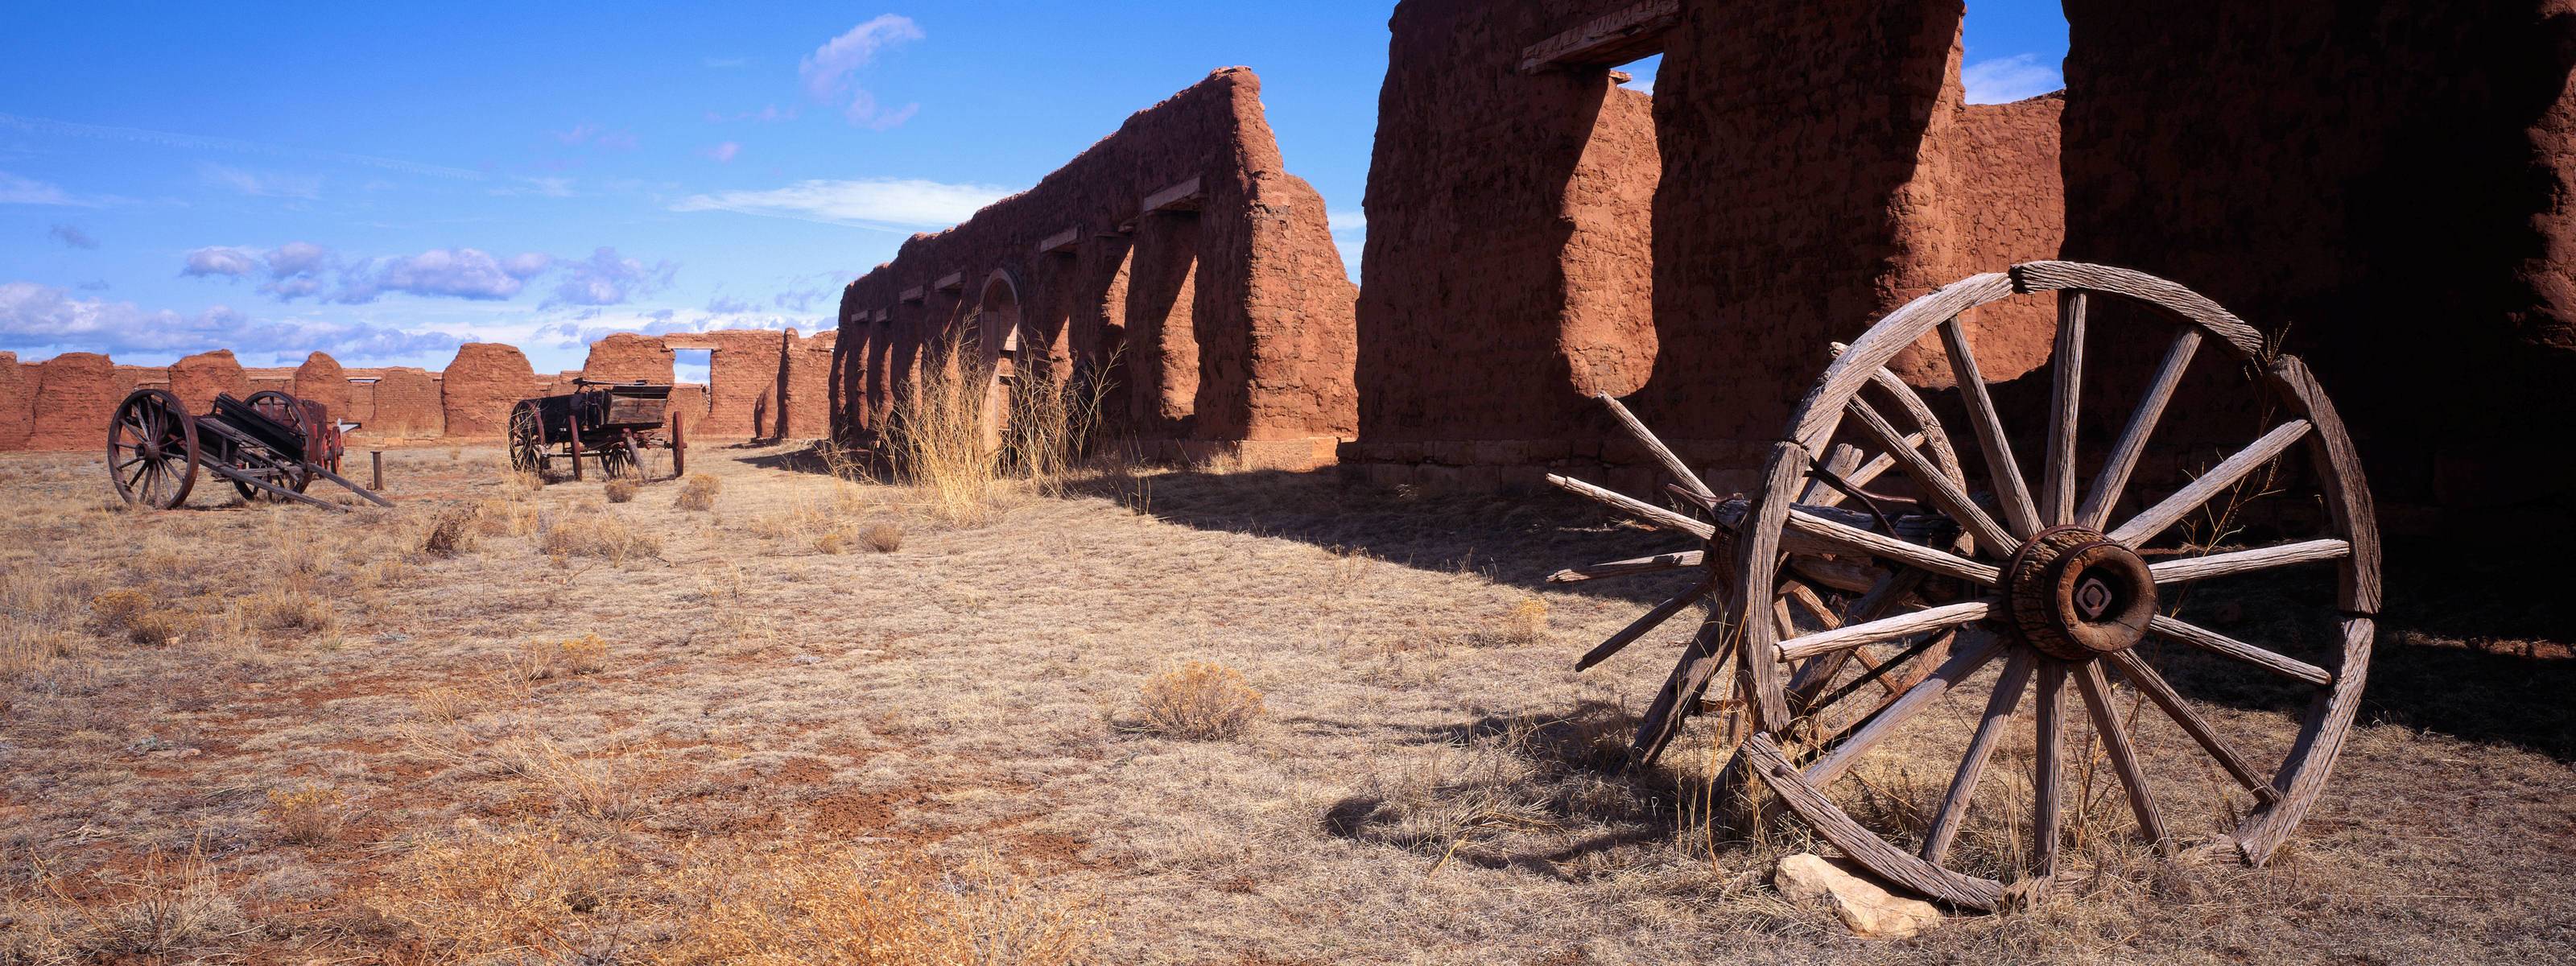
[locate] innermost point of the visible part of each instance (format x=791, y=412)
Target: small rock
x=1868, y=910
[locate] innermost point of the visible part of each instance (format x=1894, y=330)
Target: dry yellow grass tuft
x=883, y=537
x=621, y=489
x=589, y=533
x=286, y=609
x=699, y=493
x=1525, y=622
x=543, y=660
x=308, y=814
x=1200, y=700
x=451, y=533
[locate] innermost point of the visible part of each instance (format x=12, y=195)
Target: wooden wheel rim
x=527, y=444
x=152, y=449
x=2294, y=786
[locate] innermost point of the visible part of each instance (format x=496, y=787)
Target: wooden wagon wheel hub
x=2076, y=594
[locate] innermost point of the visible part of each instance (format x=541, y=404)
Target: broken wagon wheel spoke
x=2153, y=520
x=1621, y=568
x=1655, y=447
x=1887, y=629
x=1905, y=706
x=1640, y=509
x=1653, y=619
x=1832, y=537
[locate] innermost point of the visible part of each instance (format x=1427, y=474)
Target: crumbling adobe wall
x=17, y=402
x=743, y=369
x=1510, y=245
x=2388, y=184
x=76, y=394
x=806, y=373
x=1266, y=306
x=625, y=357
x=197, y=379
x=320, y=379
x=1993, y=197
x=479, y=388
x=407, y=402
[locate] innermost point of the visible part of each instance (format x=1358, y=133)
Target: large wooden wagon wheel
x=527, y=440
x=289, y=474
x=2045, y=580
x=152, y=449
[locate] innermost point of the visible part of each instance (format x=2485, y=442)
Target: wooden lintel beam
x=1614, y=38
x=1180, y=197
x=951, y=282
x=1063, y=241
x=912, y=294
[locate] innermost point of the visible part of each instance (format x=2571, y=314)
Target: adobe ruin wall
x=772, y=385
x=1176, y=259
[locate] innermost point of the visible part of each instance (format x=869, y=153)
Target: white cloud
x=220, y=260
x=261, y=184
x=723, y=153
x=2006, y=79
x=42, y=317
x=605, y=278
x=466, y=273
x=826, y=72
x=880, y=203
x=19, y=190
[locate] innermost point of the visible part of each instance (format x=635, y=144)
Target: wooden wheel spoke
x=1621, y=568
x=2217, y=643
x=1907, y=705
x=2153, y=685
x=1659, y=516
x=2153, y=520
x=1886, y=629
x=1673, y=464
x=2114, y=476
x=2066, y=369
x=2124, y=758
x=1945, y=493
x=1827, y=536
x=1653, y=619
x=1981, y=747
x=2001, y=469
x=2247, y=561
x=2049, y=772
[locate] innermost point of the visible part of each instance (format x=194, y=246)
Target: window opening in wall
x=693, y=365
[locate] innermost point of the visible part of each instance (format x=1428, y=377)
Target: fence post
x=377, y=457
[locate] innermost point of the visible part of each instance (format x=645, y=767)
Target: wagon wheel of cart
x=2078, y=574
x=619, y=459
x=152, y=449
x=527, y=440
x=290, y=474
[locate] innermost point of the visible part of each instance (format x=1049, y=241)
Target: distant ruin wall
x=1176, y=259
x=2388, y=185
x=64, y=403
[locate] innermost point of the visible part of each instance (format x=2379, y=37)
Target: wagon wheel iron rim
x=2050, y=586
x=527, y=441
x=152, y=449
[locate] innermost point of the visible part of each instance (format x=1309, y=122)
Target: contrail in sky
x=39, y=125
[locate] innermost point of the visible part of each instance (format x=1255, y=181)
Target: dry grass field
x=1166, y=717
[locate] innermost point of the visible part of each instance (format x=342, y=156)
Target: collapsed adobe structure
x=2387, y=185
x=1176, y=260
x=765, y=384
x=1798, y=170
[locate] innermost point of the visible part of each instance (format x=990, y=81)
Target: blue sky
x=382, y=181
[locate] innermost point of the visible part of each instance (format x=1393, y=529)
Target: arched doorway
x=992, y=345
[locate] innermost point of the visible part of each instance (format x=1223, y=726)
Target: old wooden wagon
x=609, y=423
x=271, y=446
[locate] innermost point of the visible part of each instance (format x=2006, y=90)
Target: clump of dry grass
x=699, y=493
x=621, y=489
x=451, y=533
x=1052, y=420
x=308, y=814
x=541, y=660
x=1525, y=622
x=137, y=617
x=593, y=534
x=1200, y=700
x=167, y=907
x=883, y=537
x=834, y=542
x=445, y=703
x=937, y=435
x=286, y=609
x=530, y=894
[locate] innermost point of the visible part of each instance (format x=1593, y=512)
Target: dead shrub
x=809, y=905
x=307, y=815
x=519, y=895
x=883, y=537
x=585, y=534
x=622, y=489
x=444, y=703
x=832, y=542
x=1200, y=700
x=137, y=617
x=451, y=533
x=286, y=609
x=1524, y=622
x=167, y=907
x=699, y=493
x=540, y=660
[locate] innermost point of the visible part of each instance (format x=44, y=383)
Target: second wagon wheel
x=291, y=475
x=152, y=449
x=2064, y=581
x=527, y=440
